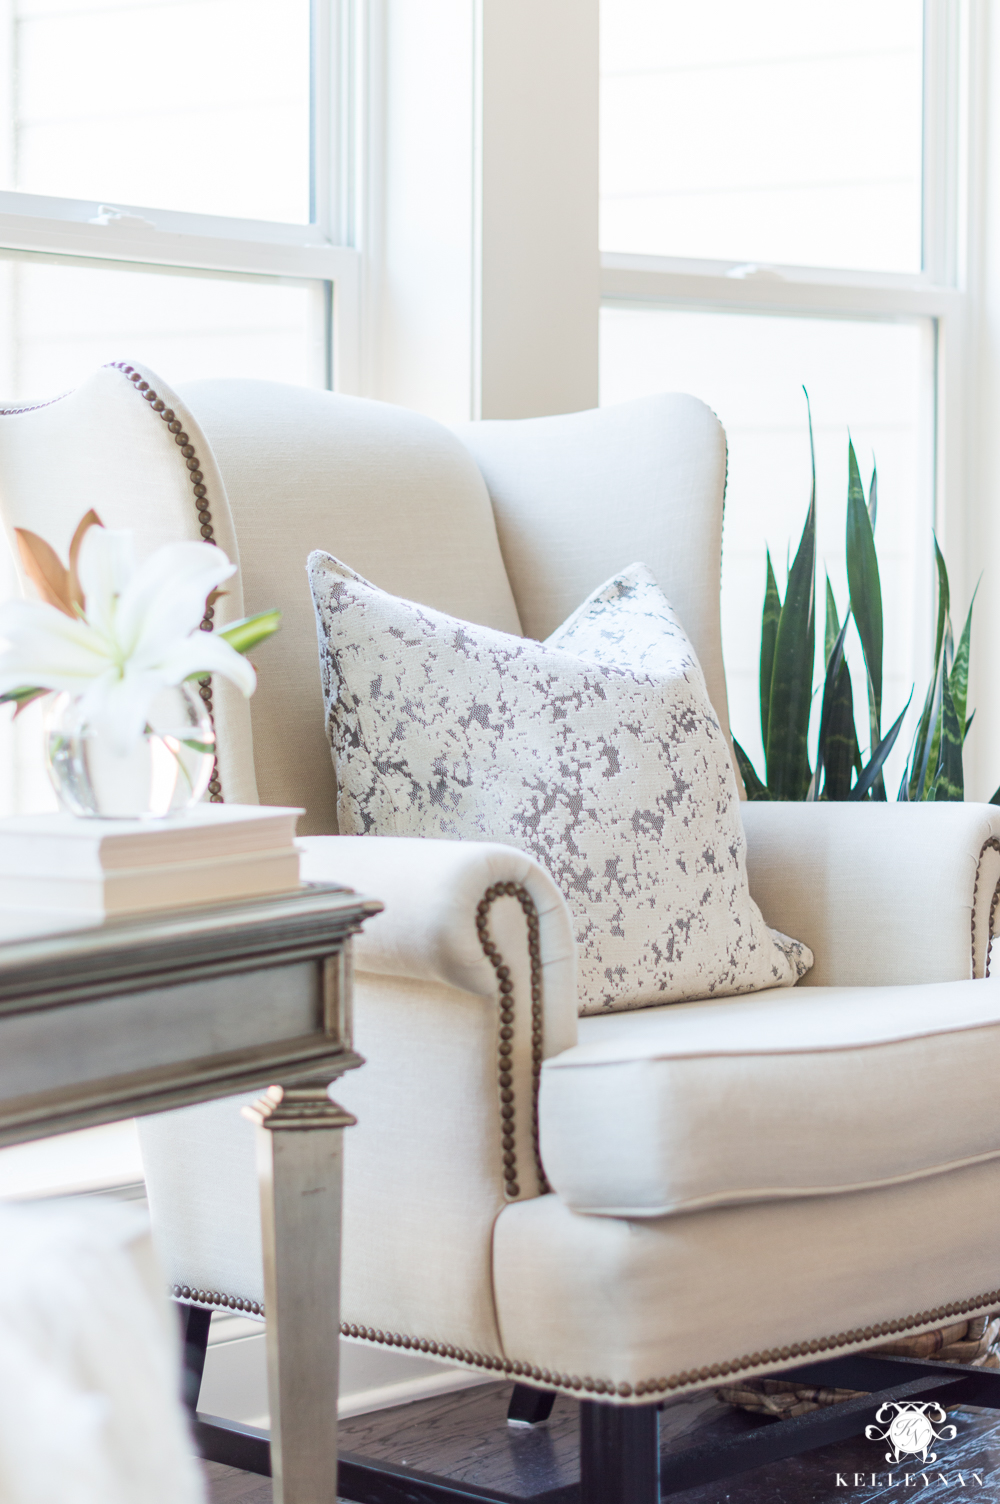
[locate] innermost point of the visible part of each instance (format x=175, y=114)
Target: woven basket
x=975, y=1342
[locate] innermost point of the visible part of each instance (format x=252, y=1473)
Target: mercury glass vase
x=166, y=771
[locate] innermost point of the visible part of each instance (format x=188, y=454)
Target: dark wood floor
x=465, y=1437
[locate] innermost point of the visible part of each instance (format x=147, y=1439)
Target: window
x=176, y=187
x=778, y=209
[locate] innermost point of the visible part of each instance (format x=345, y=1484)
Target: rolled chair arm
x=431, y=890
x=882, y=893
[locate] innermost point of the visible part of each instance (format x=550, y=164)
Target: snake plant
x=787, y=654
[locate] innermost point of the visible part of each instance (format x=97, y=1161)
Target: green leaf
x=831, y=686
x=866, y=588
x=968, y=727
x=832, y=623
x=247, y=633
x=873, y=771
x=873, y=497
x=22, y=698
x=768, y=635
x=787, y=752
x=925, y=789
x=958, y=679
x=996, y=798
x=944, y=600
x=948, y=782
x=755, y=789
x=842, y=755
x=920, y=752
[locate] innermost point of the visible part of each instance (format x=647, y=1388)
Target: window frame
x=939, y=292
x=324, y=250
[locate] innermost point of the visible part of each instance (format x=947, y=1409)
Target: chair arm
x=427, y=932
x=882, y=893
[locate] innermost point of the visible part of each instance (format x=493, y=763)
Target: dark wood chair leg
x=619, y=1454
x=194, y=1339
x=529, y=1407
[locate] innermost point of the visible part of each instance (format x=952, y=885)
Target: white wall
x=980, y=515
x=485, y=260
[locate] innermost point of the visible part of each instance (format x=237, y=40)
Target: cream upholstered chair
x=736, y=1186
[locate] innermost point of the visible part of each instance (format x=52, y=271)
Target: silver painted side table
x=103, y=1020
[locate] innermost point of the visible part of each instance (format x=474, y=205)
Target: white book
x=134, y=890
x=62, y=846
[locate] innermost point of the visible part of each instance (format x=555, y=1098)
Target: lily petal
x=203, y=652
x=48, y=649
x=165, y=598
x=105, y=565
x=118, y=706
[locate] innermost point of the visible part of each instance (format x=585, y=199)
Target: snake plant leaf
x=968, y=726
x=755, y=789
x=251, y=630
x=842, y=755
x=944, y=599
x=832, y=623
x=920, y=758
x=837, y=748
x=866, y=588
x=768, y=636
x=868, y=775
x=958, y=679
x=873, y=496
x=787, y=752
x=948, y=782
x=996, y=798
x=833, y=665
x=926, y=786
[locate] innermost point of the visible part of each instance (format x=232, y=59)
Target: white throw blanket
x=89, y=1362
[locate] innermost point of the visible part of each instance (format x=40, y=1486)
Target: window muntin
x=782, y=133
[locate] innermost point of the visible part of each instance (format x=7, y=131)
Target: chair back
x=580, y=496
x=278, y=471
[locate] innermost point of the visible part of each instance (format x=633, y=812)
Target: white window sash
x=321, y=251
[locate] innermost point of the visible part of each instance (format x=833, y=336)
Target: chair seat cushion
x=786, y=1094
x=597, y=751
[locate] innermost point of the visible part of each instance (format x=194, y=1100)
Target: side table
x=108, y=1019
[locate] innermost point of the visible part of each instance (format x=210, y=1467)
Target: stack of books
x=214, y=853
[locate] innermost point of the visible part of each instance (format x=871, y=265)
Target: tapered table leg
x=300, y=1168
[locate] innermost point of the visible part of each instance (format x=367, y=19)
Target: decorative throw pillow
x=597, y=751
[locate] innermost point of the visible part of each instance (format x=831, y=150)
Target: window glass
x=785, y=133
x=872, y=378
x=197, y=105
x=67, y=316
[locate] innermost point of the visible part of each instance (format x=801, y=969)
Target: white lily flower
x=139, y=633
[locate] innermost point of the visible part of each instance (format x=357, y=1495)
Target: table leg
x=300, y=1168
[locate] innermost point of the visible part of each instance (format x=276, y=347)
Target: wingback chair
x=720, y=1188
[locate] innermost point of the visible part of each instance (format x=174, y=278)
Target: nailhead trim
x=197, y=479
x=993, y=844
x=506, y=1029
x=215, y=1298
x=653, y=1387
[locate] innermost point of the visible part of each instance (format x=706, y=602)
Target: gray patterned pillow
x=597, y=751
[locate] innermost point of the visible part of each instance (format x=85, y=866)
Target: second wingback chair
x=732, y=1185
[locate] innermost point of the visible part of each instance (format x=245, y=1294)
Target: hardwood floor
x=466, y=1437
